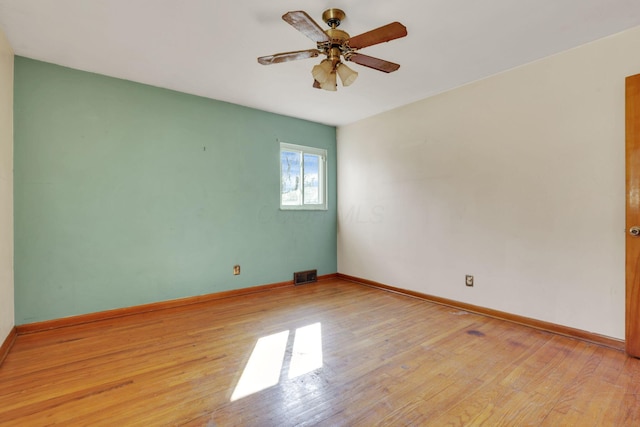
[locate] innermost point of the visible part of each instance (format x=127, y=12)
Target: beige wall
x=517, y=179
x=6, y=188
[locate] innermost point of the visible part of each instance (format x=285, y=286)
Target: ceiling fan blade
x=288, y=56
x=375, y=63
x=386, y=33
x=306, y=25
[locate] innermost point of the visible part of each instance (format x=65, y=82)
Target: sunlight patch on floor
x=307, y=350
x=265, y=365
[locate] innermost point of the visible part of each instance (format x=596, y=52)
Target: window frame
x=322, y=180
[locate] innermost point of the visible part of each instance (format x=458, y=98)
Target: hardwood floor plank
x=626, y=412
x=387, y=359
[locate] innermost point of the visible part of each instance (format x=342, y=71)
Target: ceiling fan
x=337, y=45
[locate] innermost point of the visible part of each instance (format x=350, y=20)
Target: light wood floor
x=386, y=360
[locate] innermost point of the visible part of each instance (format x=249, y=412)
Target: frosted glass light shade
x=321, y=71
x=330, y=83
x=347, y=75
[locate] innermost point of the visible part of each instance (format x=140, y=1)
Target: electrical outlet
x=468, y=280
x=236, y=270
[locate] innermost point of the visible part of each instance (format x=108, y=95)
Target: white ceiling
x=209, y=47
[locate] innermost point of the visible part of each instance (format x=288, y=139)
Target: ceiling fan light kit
x=337, y=45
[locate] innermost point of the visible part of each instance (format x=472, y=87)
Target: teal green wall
x=128, y=194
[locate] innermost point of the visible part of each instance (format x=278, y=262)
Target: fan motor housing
x=338, y=37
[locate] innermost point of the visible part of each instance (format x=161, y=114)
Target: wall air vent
x=302, y=277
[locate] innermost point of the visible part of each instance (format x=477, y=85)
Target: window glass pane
x=312, y=179
x=290, y=187
x=302, y=177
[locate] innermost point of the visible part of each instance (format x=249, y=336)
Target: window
x=303, y=177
